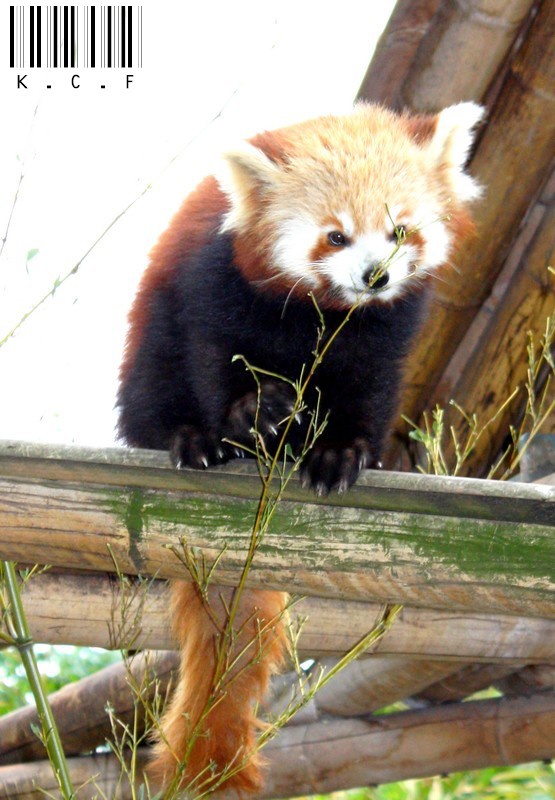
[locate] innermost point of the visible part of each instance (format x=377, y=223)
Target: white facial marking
x=347, y=224
x=291, y=252
x=350, y=267
x=436, y=245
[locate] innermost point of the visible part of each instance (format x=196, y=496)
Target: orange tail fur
x=227, y=733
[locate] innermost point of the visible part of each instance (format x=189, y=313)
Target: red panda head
x=351, y=208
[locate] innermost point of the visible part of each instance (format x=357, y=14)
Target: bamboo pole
x=417, y=632
x=16, y=622
x=329, y=756
x=478, y=546
x=80, y=708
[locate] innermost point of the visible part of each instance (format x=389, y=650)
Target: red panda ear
x=450, y=145
x=246, y=173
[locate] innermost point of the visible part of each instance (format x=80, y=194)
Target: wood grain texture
x=433, y=54
x=513, y=161
x=80, y=708
x=396, y=50
x=324, y=757
x=417, y=632
x=496, y=356
x=462, y=52
x=95, y=775
x=478, y=547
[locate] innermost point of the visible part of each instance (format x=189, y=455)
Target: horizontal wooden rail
x=324, y=757
x=428, y=541
x=80, y=708
x=57, y=604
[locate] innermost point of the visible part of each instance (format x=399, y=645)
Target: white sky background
x=87, y=153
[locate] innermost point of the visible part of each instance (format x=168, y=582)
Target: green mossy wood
x=436, y=542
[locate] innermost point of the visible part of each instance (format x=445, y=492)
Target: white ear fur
x=451, y=145
x=242, y=172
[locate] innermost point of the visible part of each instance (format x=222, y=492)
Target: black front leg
x=353, y=440
x=198, y=441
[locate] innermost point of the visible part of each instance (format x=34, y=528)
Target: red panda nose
x=369, y=277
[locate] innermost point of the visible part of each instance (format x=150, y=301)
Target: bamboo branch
x=80, y=708
x=368, y=685
x=19, y=630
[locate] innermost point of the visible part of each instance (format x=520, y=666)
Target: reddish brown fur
x=460, y=224
x=228, y=733
x=421, y=127
x=187, y=233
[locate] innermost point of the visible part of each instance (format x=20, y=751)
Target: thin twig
x=75, y=268
x=16, y=195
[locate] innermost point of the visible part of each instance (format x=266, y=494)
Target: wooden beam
x=472, y=678
x=533, y=678
x=492, y=359
x=474, y=545
x=329, y=756
x=417, y=632
x=521, y=123
x=396, y=50
x=80, y=708
x=95, y=775
x=367, y=685
x=433, y=54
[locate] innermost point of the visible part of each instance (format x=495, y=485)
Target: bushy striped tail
x=208, y=731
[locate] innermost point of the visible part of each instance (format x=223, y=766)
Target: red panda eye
x=337, y=239
x=398, y=235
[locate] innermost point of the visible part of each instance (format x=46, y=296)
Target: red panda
x=343, y=210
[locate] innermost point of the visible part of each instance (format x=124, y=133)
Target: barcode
x=76, y=36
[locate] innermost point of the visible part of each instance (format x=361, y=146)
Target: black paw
x=329, y=466
x=191, y=447
x=266, y=416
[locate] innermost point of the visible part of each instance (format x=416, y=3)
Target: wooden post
x=520, y=123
